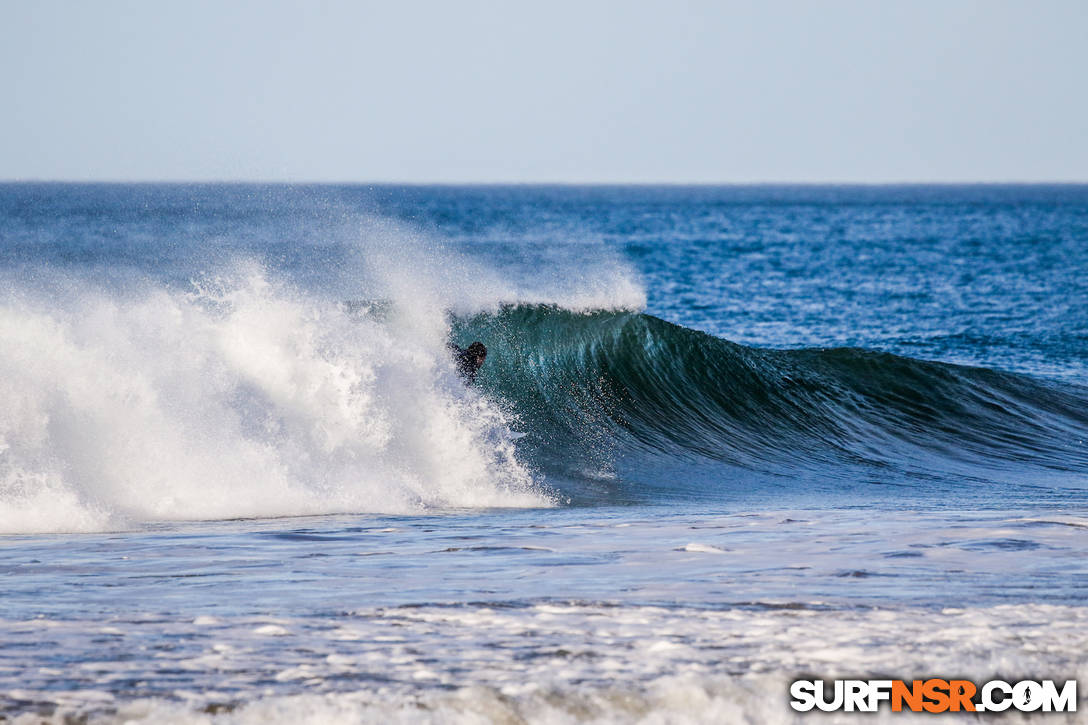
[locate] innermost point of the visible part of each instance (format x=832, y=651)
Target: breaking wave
x=242, y=397
x=246, y=397
x=632, y=396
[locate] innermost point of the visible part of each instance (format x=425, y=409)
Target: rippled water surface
x=724, y=437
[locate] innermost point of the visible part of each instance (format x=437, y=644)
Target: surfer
x=469, y=360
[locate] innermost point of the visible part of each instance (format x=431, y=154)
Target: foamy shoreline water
x=535, y=616
x=544, y=663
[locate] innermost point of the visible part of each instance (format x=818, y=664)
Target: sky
x=400, y=91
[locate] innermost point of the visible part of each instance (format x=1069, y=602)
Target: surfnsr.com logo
x=933, y=695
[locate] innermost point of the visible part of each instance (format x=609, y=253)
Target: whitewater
x=724, y=437
x=242, y=401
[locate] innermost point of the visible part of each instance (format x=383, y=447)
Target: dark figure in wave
x=469, y=360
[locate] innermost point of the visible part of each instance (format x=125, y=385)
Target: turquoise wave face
x=618, y=402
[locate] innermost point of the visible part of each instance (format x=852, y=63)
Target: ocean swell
x=594, y=389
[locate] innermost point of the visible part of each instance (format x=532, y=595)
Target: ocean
x=724, y=438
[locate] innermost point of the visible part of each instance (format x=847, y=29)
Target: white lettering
x=856, y=695
x=879, y=691
x=1027, y=696
x=988, y=701
x=821, y=698
x=804, y=695
x=1065, y=701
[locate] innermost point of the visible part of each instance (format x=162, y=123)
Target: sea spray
x=243, y=397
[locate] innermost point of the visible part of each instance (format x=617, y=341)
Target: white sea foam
x=698, y=548
x=241, y=398
x=545, y=664
x=250, y=395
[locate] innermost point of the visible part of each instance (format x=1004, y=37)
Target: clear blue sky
x=865, y=91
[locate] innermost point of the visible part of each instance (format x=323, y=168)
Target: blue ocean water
x=723, y=436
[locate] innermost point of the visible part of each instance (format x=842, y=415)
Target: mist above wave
x=242, y=398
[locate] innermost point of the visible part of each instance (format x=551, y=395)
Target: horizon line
x=599, y=183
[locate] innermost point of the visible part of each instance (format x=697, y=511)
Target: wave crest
x=622, y=388
x=243, y=398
